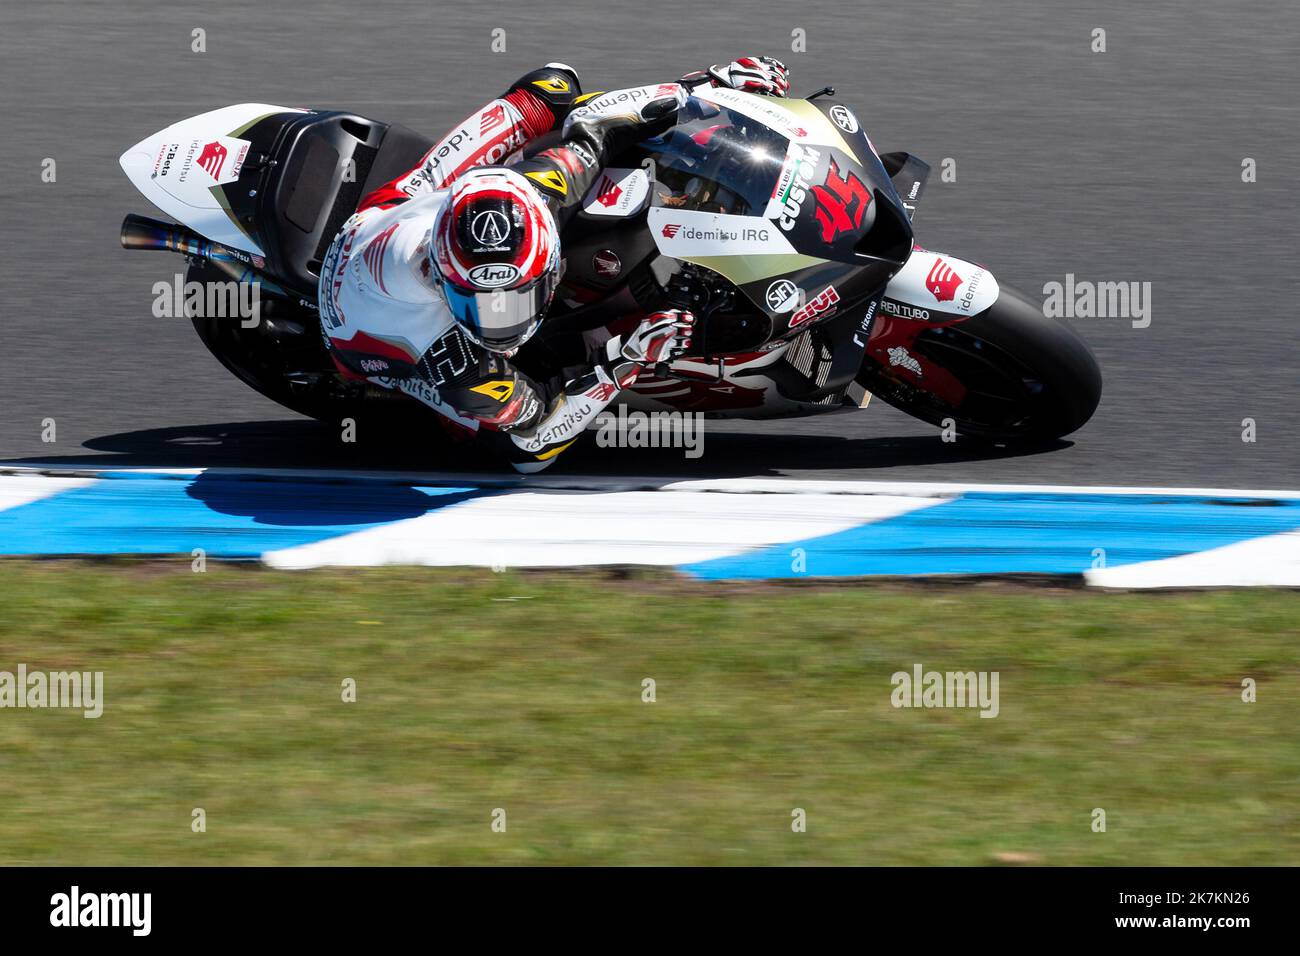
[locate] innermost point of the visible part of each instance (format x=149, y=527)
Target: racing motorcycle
x=775, y=221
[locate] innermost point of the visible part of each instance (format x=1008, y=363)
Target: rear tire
x=1028, y=378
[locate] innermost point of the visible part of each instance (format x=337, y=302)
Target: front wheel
x=1007, y=375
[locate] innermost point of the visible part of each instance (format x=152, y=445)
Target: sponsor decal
x=238, y=164
x=213, y=158
x=782, y=296
x=842, y=203
x=493, y=275
x=553, y=84
x=608, y=191
x=843, y=117
x=602, y=392
x=905, y=311
x=417, y=388
x=606, y=263
x=499, y=390
x=721, y=234
x=374, y=255
x=165, y=157
x=617, y=192
x=968, y=296
x=942, y=281
x=551, y=179
x=825, y=303
x=188, y=162
x=761, y=108
x=490, y=228
x=374, y=365
x=564, y=422
x=794, y=183
x=413, y=185
x=333, y=269
x=463, y=148
x=685, y=234
x=899, y=356
x=863, y=333
x=624, y=100
x=492, y=118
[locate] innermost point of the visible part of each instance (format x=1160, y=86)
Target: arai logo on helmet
x=490, y=228
x=782, y=295
x=493, y=275
x=844, y=118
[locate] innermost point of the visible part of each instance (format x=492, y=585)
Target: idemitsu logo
x=942, y=281
x=103, y=909
x=213, y=158
x=608, y=192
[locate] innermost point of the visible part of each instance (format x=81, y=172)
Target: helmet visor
x=501, y=320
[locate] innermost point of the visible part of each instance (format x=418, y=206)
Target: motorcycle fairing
x=186, y=169
x=938, y=287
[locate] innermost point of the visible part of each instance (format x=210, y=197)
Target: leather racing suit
x=384, y=320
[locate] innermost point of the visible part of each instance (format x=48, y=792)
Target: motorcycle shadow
x=766, y=450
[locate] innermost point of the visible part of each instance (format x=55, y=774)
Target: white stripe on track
x=18, y=490
x=837, y=486
x=568, y=528
x=1269, y=561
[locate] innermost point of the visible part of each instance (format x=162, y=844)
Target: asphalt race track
x=1116, y=166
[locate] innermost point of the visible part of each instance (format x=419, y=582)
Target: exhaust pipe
x=141, y=232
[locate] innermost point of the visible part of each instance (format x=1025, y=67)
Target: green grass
x=523, y=691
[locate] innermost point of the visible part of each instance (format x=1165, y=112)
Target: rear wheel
x=1024, y=377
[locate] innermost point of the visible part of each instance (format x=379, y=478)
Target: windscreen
x=717, y=160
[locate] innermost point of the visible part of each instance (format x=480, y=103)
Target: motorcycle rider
x=443, y=273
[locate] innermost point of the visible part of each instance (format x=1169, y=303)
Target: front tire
x=1026, y=377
